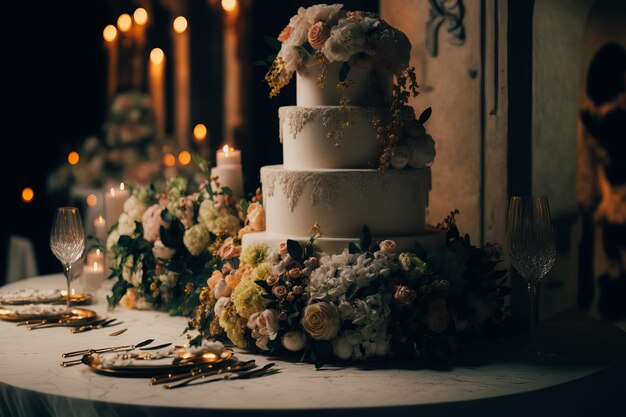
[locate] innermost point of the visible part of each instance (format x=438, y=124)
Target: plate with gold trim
x=206, y=360
x=75, y=314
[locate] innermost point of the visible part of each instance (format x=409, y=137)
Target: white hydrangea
x=216, y=218
x=135, y=207
x=126, y=225
x=338, y=272
x=112, y=239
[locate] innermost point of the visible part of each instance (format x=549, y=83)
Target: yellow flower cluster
x=232, y=325
x=254, y=254
x=247, y=297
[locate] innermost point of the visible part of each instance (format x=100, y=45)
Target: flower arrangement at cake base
x=369, y=301
x=166, y=244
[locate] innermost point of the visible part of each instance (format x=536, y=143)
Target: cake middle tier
x=330, y=137
x=343, y=201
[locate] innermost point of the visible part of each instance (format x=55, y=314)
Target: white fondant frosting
x=368, y=88
x=342, y=201
x=329, y=137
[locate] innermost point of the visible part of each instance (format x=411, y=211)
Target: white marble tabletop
x=33, y=383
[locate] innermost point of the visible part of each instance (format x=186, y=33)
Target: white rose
x=162, y=251
x=293, y=341
x=196, y=239
x=421, y=152
x=112, y=239
x=135, y=208
x=291, y=57
x=342, y=348
x=346, y=39
x=220, y=305
x=222, y=289
x=299, y=28
x=126, y=225
x=169, y=280
x=322, y=13
x=399, y=157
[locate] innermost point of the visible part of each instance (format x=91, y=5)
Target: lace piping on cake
x=325, y=185
x=333, y=118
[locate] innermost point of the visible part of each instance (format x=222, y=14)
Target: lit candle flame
x=95, y=266
x=98, y=252
x=100, y=220
x=226, y=149
x=112, y=191
x=121, y=185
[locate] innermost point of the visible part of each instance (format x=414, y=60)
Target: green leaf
x=365, y=239
x=351, y=291
x=344, y=71
x=261, y=283
x=166, y=216
x=420, y=251
x=354, y=248
x=425, y=115
x=273, y=43
x=294, y=249
x=227, y=191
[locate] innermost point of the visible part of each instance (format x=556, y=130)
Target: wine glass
x=532, y=246
x=67, y=241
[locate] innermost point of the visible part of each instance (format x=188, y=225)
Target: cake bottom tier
x=430, y=239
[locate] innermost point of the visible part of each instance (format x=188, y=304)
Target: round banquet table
x=33, y=384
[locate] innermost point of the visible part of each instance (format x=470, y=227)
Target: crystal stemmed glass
x=532, y=247
x=67, y=241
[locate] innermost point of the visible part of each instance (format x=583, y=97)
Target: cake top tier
x=321, y=35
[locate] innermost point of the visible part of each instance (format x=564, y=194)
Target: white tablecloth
x=33, y=384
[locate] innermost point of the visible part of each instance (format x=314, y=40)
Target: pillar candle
x=156, y=85
x=228, y=170
x=114, y=200
x=182, y=119
x=92, y=277
x=100, y=228
x=111, y=41
x=232, y=74
x=95, y=256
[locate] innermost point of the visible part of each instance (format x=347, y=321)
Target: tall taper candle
x=181, y=82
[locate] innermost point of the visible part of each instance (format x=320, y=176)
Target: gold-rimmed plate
x=76, y=299
x=206, y=360
x=75, y=315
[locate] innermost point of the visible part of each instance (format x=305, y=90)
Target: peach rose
x=388, y=247
x=255, y=217
x=437, y=317
x=403, y=294
x=272, y=280
x=215, y=278
x=284, y=34
x=318, y=33
x=298, y=289
x=279, y=291
x=229, y=250
x=282, y=248
x=129, y=299
x=234, y=278
x=321, y=321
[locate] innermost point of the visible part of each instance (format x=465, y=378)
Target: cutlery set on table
x=169, y=366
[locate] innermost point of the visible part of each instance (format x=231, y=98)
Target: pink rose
x=152, y=223
x=403, y=294
x=229, y=250
x=298, y=289
x=388, y=247
x=284, y=34
x=282, y=248
x=437, y=317
x=279, y=291
x=318, y=33
x=215, y=278
x=295, y=272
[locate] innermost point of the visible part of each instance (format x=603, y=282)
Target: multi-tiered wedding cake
x=354, y=153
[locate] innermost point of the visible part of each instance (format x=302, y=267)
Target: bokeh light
x=184, y=158
x=73, y=158
x=199, y=132
x=27, y=195
x=109, y=33
x=180, y=24
x=124, y=22
x=169, y=160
